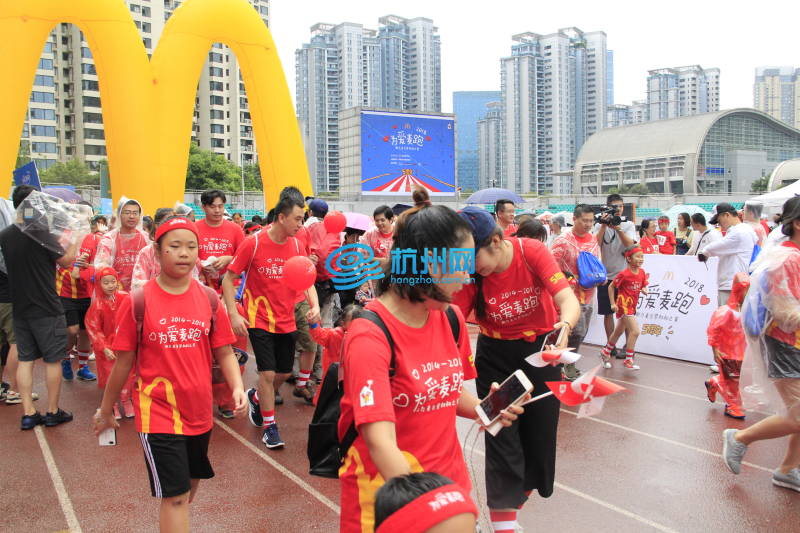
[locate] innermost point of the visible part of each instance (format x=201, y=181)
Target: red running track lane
x=649, y=462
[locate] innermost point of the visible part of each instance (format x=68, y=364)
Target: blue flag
x=27, y=175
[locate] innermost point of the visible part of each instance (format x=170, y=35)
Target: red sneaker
x=630, y=364
x=734, y=411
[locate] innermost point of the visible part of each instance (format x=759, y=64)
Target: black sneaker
x=305, y=392
x=272, y=438
x=278, y=399
x=291, y=379
x=4, y=388
x=617, y=353
x=255, y=409
x=59, y=417
x=226, y=413
x=31, y=421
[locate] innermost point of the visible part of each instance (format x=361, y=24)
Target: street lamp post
x=242, y=161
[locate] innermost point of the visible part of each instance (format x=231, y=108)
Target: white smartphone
x=511, y=391
x=108, y=437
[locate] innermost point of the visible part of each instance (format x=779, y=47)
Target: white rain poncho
x=52, y=222
x=771, y=317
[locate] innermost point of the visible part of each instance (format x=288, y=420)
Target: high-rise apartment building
x=554, y=97
x=65, y=116
x=776, y=92
x=470, y=107
x=624, y=115
x=346, y=65
x=490, y=141
x=682, y=91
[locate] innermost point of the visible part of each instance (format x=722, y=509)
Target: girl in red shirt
x=406, y=420
x=101, y=325
x=628, y=284
x=649, y=240
x=518, y=295
x=173, y=346
x=332, y=339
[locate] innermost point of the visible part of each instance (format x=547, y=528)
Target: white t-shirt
x=702, y=238
x=734, y=252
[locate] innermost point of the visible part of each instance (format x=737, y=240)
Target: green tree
x=760, y=185
x=638, y=189
x=73, y=172
x=24, y=153
x=207, y=170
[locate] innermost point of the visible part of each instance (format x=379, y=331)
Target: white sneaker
x=714, y=369
x=91, y=356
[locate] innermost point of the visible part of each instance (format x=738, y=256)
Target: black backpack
x=325, y=453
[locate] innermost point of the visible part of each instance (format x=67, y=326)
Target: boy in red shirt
x=219, y=238
x=269, y=308
x=381, y=237
x=629, y=284
x=173, y=347
x=74, y=289
x=666, y=239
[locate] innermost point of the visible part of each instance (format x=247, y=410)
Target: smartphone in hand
x=108, y=437
x=511, y=391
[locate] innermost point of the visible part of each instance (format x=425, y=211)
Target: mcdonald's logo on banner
x=148, y=104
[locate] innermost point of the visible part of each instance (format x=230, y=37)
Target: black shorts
x=173, y=461
x=75, y=310
x=43, y=336
x=274, y=351
x=603, y=305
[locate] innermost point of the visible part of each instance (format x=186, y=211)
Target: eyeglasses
x=130, y=213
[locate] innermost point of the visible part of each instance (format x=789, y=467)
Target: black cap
x=723, y=207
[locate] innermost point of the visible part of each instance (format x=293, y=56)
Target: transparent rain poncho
x=120, y=250
x=771, y=311
x=52, y=222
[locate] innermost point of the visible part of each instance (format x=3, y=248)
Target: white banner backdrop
x=674, y=315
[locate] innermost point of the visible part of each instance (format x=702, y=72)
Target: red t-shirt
x=66, y=286
x=510, y=230
x=322, y=244
x=667, y=247
x=381, y=243
x=268, y=302
x=648, y=245
x=218, y=241
x=518, y=302
x=629, y=285
x=420, y=400
x=173, y=363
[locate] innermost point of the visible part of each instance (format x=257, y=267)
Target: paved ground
x=649, y=462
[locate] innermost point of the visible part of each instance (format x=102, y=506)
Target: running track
x=649, y=462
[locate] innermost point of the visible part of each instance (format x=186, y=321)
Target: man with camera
x=614, y=233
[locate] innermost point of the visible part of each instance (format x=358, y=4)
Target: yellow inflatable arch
x=148, y=104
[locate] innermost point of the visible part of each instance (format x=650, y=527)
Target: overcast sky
x=644, y=35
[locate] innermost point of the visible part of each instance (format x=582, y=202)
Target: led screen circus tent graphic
x=401, y=151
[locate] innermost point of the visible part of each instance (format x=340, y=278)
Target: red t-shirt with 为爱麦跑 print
x=518, y=302
x=629, y=286
x=173, y=361
x=268, y=302
x=420, y=400
x=218, y=241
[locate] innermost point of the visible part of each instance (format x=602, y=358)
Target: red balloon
x=335, y=222
x=299, y=273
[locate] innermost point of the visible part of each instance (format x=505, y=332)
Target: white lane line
x=280, y=468
x=663, y=439
x=681, y=394
x=607, y=505
x=58, y=483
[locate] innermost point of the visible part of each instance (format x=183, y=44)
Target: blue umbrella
x=491, y=195
x=67, y=195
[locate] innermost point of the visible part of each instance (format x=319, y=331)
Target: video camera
x=607, y=214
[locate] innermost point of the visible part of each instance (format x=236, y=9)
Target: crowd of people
x=171, y=308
